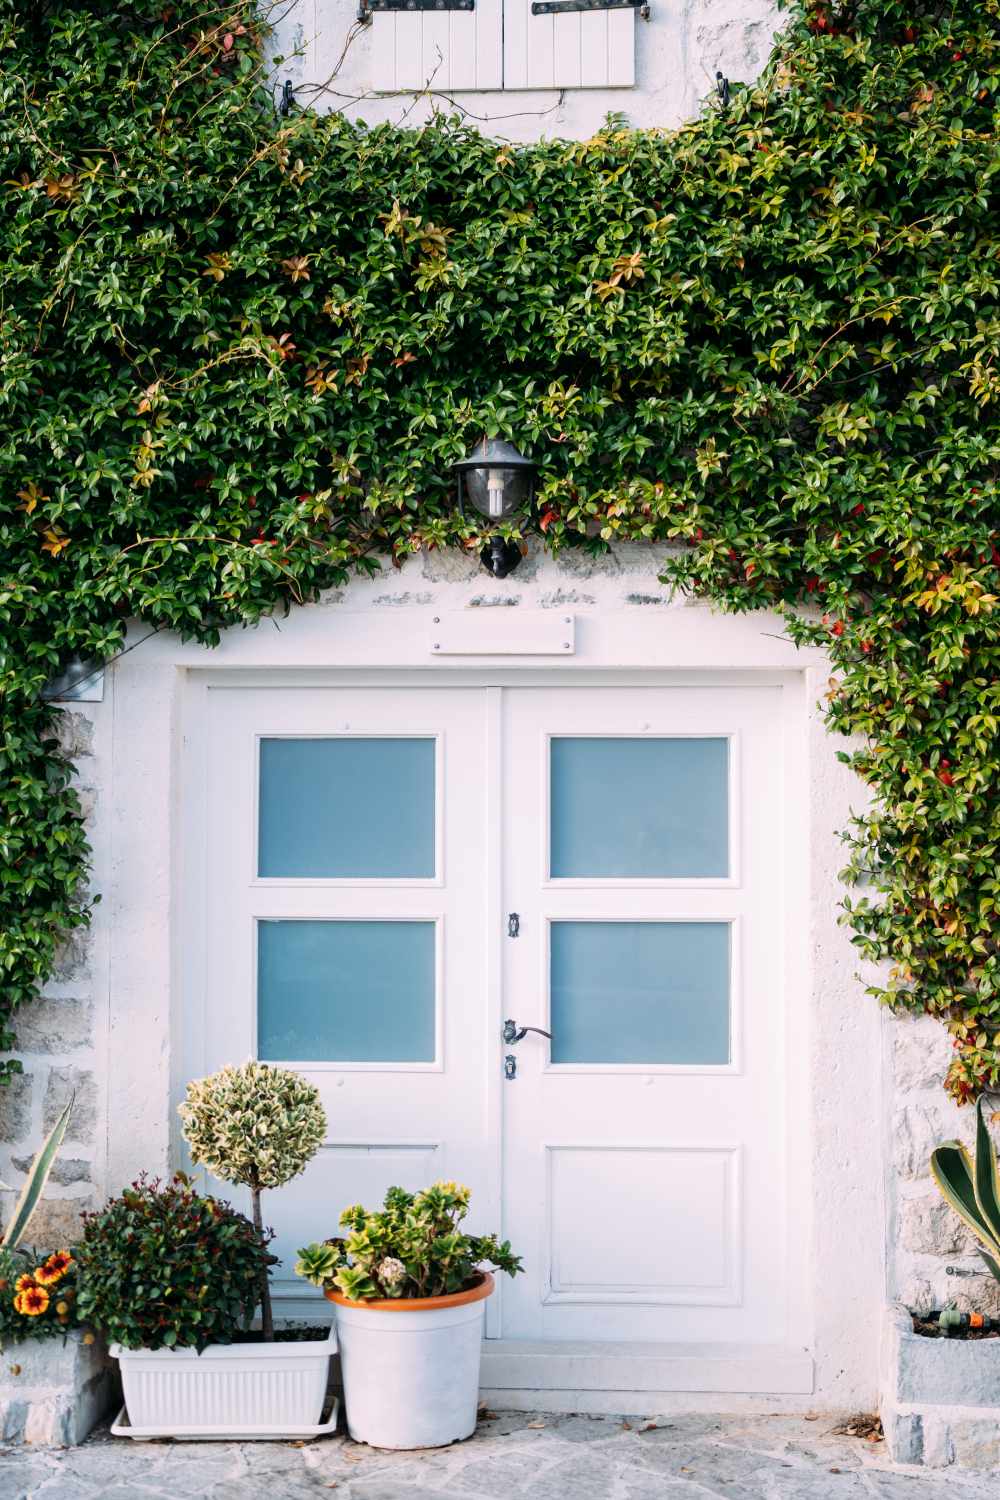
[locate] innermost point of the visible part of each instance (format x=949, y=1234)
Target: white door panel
x=644, y=1147
x=346, y=914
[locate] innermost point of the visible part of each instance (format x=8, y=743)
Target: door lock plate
x=510, y=1067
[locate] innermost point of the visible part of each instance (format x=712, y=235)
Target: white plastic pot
x=411, y=1367
x=233, y=1390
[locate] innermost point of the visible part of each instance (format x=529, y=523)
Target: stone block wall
x=932, y=1259
x=60, y=1035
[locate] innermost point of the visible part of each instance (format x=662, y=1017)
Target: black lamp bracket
x=563, y=7
x=500, y=556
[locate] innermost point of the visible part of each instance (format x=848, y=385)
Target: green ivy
x=240, y=353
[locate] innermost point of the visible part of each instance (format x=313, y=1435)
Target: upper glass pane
x=632, y=808
x=350, y=808
x=345, y=991
x=640, y=992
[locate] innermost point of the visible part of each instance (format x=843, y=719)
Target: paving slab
x=536, y=1456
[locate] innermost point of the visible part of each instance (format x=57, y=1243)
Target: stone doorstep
x=53, y=1392
x=940, y=1398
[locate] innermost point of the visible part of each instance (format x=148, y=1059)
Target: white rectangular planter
x=238, y=1390
x=940, y=1400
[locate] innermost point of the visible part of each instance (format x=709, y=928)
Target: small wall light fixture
x=498, y=481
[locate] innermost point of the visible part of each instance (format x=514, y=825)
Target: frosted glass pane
x=640, y=992
x=347, y=808
x=639, y=807
x=345, y=991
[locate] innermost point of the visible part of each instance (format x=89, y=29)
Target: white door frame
x=781, y=1367
x=836, y=1095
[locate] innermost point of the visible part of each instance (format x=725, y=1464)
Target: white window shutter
x=444, y=50
x=589, y=49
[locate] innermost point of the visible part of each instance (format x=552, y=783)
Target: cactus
x=973, y=1188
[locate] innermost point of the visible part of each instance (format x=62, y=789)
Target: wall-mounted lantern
x=498, y=481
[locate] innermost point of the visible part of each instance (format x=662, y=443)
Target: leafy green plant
x=412, y=1247
x=241, y=353
x=256, y=1125
x=972, y=1188
x=164, y=1266
x=34, y=1185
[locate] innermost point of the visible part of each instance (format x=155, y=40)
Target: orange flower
x=32, y=1302
x=54, y=1269
x=24, y=1283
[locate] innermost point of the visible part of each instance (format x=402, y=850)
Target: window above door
x=500, y=44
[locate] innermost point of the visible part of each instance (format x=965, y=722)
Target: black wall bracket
x=565, y=7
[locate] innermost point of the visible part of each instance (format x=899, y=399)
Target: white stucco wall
x=126, y=1062
x=678, y=52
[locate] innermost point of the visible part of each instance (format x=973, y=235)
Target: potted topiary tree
x=256, y=1126
x=173, y=1277
x=410, y=1293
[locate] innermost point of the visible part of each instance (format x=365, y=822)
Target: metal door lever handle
x=514, y=1033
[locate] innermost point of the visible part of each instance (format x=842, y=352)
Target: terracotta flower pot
x=411, y=1366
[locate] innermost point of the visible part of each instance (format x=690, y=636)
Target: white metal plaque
x=503, y=630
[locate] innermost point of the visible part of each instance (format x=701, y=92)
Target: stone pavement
x=513, y=1454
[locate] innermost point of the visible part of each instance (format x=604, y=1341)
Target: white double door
x=392, y=874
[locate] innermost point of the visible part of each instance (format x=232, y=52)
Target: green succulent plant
x=972, y=1188
x=412, y=1247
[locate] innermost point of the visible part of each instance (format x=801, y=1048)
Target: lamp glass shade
x=497, y=479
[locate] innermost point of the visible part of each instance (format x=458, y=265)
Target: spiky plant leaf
x=952, y=1170
x=35, y=1185
x=987, y=1178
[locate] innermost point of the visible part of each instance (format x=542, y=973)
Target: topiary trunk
x=266, y=1315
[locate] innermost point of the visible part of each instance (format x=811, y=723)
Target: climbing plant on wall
x=240, y=352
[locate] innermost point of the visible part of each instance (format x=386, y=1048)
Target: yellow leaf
x=218, y=264
x=31, y=495
x=55, y=542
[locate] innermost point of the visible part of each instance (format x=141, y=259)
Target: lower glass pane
x=345, y=991
x=640, y=992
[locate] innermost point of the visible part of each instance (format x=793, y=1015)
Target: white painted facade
x=153, y=993
x=399, y=68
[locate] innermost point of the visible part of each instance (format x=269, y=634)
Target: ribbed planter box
x=53, y=1391
x=229, y=1390
x=940, y=1397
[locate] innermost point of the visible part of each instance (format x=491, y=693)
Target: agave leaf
x=952, y=1171
x=994, y=1265
x=987, y=1179
x=35, y=1185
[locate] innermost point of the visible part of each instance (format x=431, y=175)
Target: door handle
x=514, y=1033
